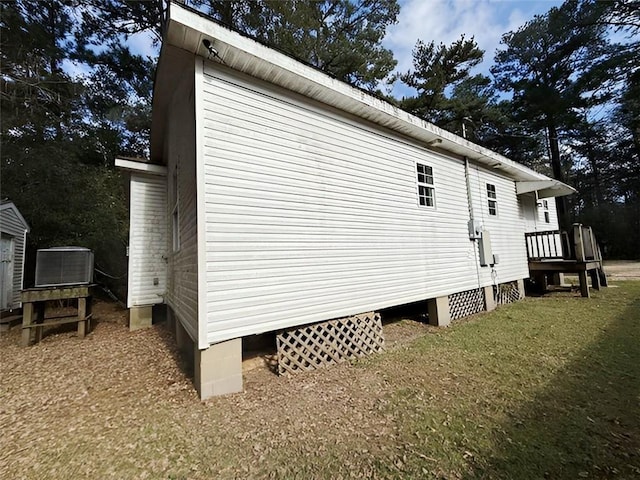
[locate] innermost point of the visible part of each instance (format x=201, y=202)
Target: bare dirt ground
x=88, y=408
x=118, y=404
x=622, y=269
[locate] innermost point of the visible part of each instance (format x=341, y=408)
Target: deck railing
x=546, y=245
x=579, y=245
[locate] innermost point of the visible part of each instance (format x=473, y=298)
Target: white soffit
x=9, y=205
x=187, y=28
x=545, y=188
x=141, y=167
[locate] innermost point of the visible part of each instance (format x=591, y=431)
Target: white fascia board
x=187, y=29
x=545, y=188
x=141, y=167
x=201, y=207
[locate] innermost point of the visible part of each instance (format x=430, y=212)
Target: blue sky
x=441, y=21
x=445, y=20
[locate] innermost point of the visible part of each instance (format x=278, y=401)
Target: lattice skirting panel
x=507, y=293
x=463, y=304
x=327, y=343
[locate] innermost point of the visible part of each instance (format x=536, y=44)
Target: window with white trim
x=492, y=199
x=426, y=191
x=545, y=206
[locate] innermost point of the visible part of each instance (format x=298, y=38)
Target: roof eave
x=9, y=205
x=187, y=29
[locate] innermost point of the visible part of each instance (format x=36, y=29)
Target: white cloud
x=445, y=20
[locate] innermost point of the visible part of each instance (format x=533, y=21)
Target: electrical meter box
x=484, y=245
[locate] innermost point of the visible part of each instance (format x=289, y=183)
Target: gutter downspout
x=473, y=234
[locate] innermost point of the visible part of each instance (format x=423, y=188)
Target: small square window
x=425, y=195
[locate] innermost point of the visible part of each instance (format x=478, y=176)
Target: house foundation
x=140, y=317
x=183, y=340
x=442, y=310
x=218, y=369
x=326, y=343
x=489, y=298
x=438, y=309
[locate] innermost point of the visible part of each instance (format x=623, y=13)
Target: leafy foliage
x=73, y=96
x=341, y=37
x=61, y=131
x=447, y=94
x=555, y=67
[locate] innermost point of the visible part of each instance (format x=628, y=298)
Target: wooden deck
x=554, y=251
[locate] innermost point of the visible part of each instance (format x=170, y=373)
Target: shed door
x=6, y=272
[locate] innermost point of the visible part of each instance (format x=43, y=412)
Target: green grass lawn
x=544, y=388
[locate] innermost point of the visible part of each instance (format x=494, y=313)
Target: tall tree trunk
x=554, y=148
x=595, y=171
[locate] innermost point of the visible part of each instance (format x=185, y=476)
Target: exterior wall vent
x=64, y=266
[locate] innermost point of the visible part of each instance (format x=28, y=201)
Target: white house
x=13, y=239
x=277, y=196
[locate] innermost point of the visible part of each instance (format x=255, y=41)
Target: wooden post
x=541, y=281
x=588, y=243
x=27, y=319
x=584, y=284
x=91, y=323
x=566, y=245
x=595, y=278
x=578, y=242
x=82, y=315
x=39, y=331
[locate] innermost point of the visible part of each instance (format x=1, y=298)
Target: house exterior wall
x=147, y=240
x=12, y=225
x=506, y=227
x=311, y=214
x=179, y=152
x=533, y=213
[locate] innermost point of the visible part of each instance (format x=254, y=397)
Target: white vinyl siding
x=553, y=214
x=311, y=215
x=533, y=213
x=182, y=291
x=147, y=240
x=12, y=225
x=507, y=229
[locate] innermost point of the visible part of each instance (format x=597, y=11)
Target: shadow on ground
x=597, y=394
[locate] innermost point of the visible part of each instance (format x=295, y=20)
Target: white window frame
x=492, y=199
x=545, y=208
x=425, y=185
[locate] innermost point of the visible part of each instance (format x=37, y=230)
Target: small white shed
x=13, y=233
x=277, y=197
